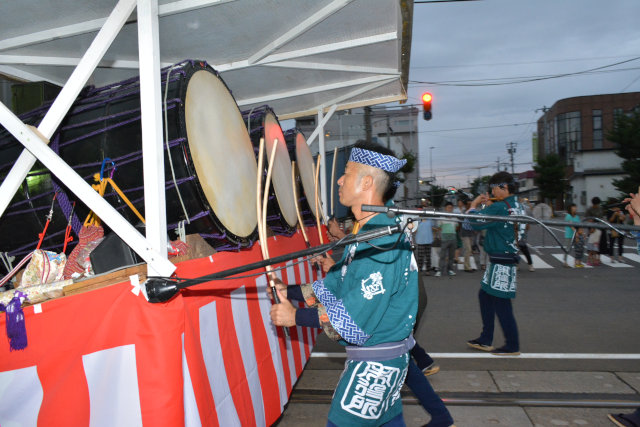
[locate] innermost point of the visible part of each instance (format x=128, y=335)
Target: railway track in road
x=556, y=400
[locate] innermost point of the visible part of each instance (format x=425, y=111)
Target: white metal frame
x=302, y=27
x=79, y=28
x=152, y=136
x=153, y=248
x=154, y=252
x=275, y=59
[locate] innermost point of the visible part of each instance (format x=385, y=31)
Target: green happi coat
x=500, y=241
x=371, y=297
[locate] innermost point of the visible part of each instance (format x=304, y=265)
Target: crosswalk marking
x=570, y=260
x=472, y=262
x=538, y=263
x=632, y=257
x=607, y=260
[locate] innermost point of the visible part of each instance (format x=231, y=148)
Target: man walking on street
x=498, y=286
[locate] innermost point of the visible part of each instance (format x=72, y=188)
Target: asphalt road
x=559, y=310
x=578, y=327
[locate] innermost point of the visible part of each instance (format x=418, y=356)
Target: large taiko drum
x=281, y=211
x=210, y=164
x=305, y=165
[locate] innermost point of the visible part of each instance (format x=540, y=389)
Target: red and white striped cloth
x=208, y=357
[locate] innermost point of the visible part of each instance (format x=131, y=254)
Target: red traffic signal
x=426, y=105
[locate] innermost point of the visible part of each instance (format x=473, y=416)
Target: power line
x=548, y=61
x=527, y=79
x=476, y=128
x=512, y=80
x=501, y=81
x=629, y=85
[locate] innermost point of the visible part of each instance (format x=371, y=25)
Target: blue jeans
x=430, y=401
x=491, y=306
x=422, y=358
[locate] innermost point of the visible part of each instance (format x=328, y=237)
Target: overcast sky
x=473, y=42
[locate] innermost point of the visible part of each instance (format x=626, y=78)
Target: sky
x=487, y=41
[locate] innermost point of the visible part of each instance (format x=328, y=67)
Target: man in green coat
x=498, y=286
x=367, y=301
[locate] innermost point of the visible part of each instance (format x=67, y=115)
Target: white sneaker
x=531, y=268
x=438, y=274
x=452, y=273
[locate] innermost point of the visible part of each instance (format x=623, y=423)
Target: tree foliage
x=480, y=184
x=409, y=167
x=437, y=194
x=550, y=177
x=626, y=136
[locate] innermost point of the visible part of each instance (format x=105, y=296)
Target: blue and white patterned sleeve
x=339, y=318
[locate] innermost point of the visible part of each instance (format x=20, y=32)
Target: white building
x=593, y=175
x=393, y=127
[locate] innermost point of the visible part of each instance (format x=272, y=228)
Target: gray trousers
x=447, y=254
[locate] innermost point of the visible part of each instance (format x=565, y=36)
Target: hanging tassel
x=16, y=330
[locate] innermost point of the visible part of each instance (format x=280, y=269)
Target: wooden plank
x=106, y=279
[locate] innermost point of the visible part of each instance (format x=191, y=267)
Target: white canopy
x=301, y=57
x=295, y=55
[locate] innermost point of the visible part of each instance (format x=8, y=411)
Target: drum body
x=300, y=152
x=210, y=166
x=262, y=122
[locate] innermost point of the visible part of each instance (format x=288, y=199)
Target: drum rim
x=266, y=110
x=291, y=136
x=195, y=66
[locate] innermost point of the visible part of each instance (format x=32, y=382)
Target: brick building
x=576, y=129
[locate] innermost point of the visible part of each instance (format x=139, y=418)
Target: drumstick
x=295, y=200
x=258, y=191
x=265, y=198
x=262, y=220
x=333, y=176
x=315, y=265
x=317, y=182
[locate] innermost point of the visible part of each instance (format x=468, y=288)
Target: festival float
x=145, y=171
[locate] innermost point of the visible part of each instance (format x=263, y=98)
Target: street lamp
x=431, y=173
x=431, y=162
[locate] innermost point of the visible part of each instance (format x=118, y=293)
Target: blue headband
x=501, y=185
x=377, y=160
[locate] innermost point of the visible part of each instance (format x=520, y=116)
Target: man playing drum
x=367, y=301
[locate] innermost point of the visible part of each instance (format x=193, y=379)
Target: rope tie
x=166, y=138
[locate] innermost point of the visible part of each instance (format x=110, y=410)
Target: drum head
x=281, y=175
x=222, y=153
x=307, y=170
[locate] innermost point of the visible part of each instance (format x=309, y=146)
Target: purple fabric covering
x=16, y=330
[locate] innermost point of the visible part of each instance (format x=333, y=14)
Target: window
x=617, y=113
x=597, y=128
x=306, y=122
x=569, y=134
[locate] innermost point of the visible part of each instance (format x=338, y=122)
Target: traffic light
x=426, y=105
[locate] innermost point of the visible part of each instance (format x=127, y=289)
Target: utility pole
x=545, y=138
x=431, y=163
x=367, y=123
x=498, y=165
x=388, y=132
x=511, y=149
